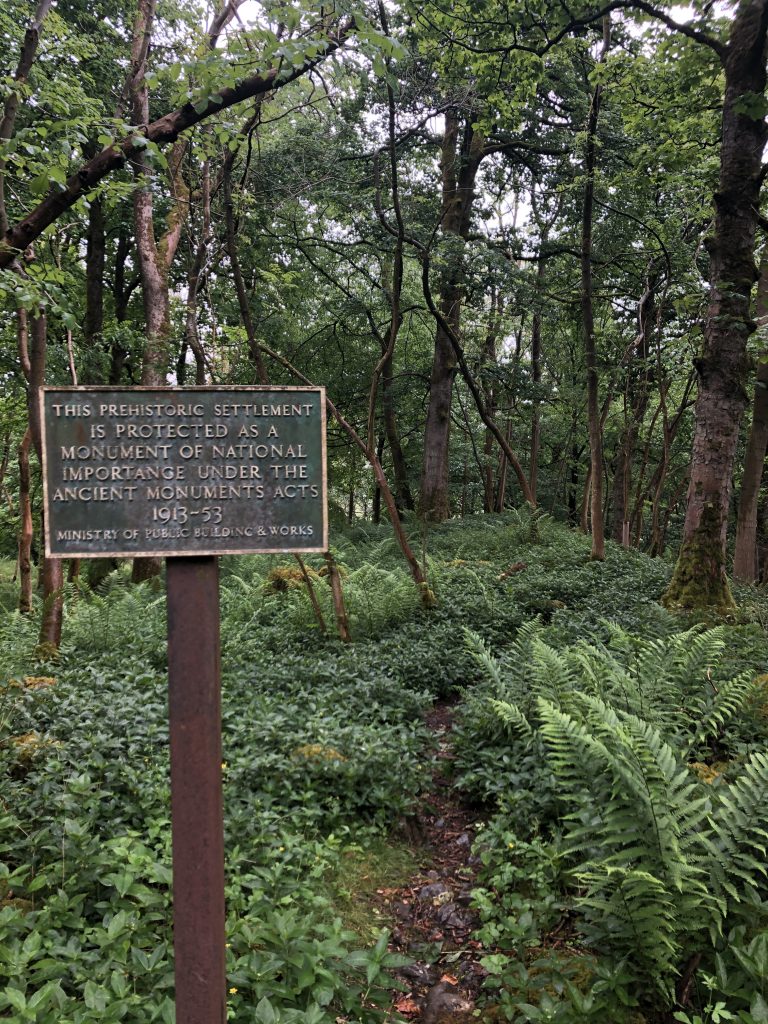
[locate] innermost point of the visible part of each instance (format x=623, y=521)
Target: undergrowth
x=324, y=755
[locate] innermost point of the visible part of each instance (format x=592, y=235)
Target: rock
x=445, y=1004
x=420, y=973
x=434, y=891
x=403, y=911
x=464, y=840
x=450, y=917
x=440, y=823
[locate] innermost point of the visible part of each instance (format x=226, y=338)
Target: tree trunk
x=699, y=579
x=402, y=487
x=254, y=351
x=194, y=280
x=154, y=258
x=434, y=500
x=26, y=531
x=121, y=293
x=503, y=472
x=588, y=324
x=340, y=609
x=51, y=569
x=459, y=164
x=13, y=96
x=312, y=595
x=51, y=621
x=637, y=398
x=490, y=359
x=376, y=509
x=533, y=473
x=95, y=257
x=745, y=555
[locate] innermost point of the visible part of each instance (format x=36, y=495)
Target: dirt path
x=431, y=918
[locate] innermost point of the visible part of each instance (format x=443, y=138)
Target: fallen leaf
x=406, y=1006
x=450, y=979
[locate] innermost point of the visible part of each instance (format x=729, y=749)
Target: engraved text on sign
x=169, y=471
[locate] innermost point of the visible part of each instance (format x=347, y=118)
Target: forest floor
x=432, y=910
x=373, y=794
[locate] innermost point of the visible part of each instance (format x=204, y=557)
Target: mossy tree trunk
x=699, y=579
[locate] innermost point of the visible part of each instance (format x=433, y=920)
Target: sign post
x=188, y=474
x=197, y=824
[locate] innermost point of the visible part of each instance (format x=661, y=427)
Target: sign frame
x=318, y=547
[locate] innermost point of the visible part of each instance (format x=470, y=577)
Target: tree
x=699, y=578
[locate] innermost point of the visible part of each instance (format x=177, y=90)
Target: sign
x=174, y=471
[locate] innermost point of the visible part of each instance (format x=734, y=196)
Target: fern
x=647, y=887
x=739, y=835
x=481, y=653
x=514, y=718
x=714, y=714
x=658, y=857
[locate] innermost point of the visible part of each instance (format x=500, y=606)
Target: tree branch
x=165, y=129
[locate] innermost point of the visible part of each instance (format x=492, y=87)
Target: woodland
x=500, y=753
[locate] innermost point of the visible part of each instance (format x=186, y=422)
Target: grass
x=363, y=874
x=9, y=589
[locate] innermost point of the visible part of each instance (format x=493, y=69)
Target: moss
x=46, y=651
x=366, y=881
x=38, y=682
x=699, y=579
x=317, y=752
x=27, y=747
x=287, y=577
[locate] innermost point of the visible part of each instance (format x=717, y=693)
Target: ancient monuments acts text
x=170, y=471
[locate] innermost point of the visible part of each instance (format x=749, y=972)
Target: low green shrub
x=637, y=810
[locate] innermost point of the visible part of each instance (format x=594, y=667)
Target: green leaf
x=39, y=184
x=753, y=105
x=265, y=1013
x=95, y=996
x=759, y=1009
x=16, y=998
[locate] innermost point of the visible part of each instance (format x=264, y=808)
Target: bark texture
x=745, y=554
x=51, y=569
x=699, y=579
x=26, y=528
x=637, y=396
x=11, y=105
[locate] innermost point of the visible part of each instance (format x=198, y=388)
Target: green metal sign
x=183, y=471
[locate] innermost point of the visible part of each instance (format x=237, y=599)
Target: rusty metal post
x=194, y=693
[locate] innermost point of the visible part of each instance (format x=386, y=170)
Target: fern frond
x=731, y=698
x=513, y=717
x=481, y=653
x=693, y=652
x=553, y=675
x=740, y=831
x=644, y=916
